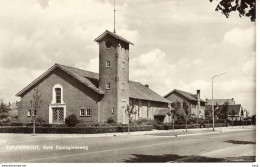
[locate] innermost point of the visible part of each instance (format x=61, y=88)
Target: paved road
x=217, y=147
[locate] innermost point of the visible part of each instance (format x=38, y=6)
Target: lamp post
x=212, y=105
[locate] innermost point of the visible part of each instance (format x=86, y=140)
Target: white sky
x=178, y=44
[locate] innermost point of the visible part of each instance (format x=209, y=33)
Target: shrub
x=3, y=115
x=16, y=124
x=110, y=120
x=71, y=120
x=73, y=130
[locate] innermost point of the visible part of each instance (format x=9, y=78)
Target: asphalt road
x=218, y=147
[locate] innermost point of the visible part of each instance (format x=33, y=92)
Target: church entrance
x=58, y=115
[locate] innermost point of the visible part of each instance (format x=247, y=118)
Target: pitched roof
x=139, y=91
x=136, y=90
x=235, y=107
x=162, y=112
x=81, y=75
x=190, y=96
x=112, y=34
x=220, y=101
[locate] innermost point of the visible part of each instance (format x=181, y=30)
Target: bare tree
x=130, y=110
x=35, y=106
x=175, y=108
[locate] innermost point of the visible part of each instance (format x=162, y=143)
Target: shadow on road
x=177, y=158
x=240, y=142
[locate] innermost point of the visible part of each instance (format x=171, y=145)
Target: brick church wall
x=75, y=96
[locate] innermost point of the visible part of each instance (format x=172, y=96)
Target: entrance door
x=159, y=118
x=57, y=115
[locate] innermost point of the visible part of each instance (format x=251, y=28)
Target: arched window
x=57, y=94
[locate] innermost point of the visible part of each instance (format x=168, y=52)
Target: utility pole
x=212, y=105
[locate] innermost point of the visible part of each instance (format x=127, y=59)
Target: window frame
x=108, y=85
x=113, y=110
x=108, y=64
x=57, y=95
x=80, y=112
x=29, y=113
x=54, y=94
x=123, y=86
x=88, y=112
x=123, y=65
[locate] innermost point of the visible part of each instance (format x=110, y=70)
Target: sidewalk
x=177, y=132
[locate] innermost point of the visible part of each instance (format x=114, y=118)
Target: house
x=196, y=105
x=13, y=112
x=93, y=97
x=234, y=110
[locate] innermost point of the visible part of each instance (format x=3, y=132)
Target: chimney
x=198, y=95
x=146, y=85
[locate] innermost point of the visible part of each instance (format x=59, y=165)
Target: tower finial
x=114, y=16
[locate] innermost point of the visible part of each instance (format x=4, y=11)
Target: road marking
x=102, y=151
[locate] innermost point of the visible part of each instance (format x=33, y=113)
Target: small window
x=123, y=86
x=108, y=86
x=108, y=64
x=58, y=95
x=123, y=65
x=29, y=113
x=113, y=111
x=82, y=113
x=108, y=44
x=88, y=112
x=34, y=113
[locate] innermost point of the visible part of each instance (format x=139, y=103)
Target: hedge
x=189, y=126
x=72, y=130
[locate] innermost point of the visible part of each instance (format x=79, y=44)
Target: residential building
x=234, y=110
x=196, y=106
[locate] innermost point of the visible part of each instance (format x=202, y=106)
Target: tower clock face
x=108, y=44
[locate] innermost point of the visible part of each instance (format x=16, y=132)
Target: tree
x=186, y=112
x=242, y=115
x=243, y=7
x=35, y=105
x=3, y=107
x=174, y=110
x=224, y=112
x=232, y=113
x=130, y=110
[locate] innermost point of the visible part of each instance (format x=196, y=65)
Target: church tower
x=113, y=76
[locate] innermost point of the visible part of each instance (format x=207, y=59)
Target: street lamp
x=212, y=105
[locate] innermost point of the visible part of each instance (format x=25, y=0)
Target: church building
x=93, y=97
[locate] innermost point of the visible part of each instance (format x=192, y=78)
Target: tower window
x=123, y=65
x=113, y=111
x=123, y=86
x=108, y=64
x=107, y=85
x=108, y=44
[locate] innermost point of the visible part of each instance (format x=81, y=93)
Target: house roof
x=235, y=107
x=220, y=101
x=139, y=91
x=112, y=34
x=161, y=112
x=136, y=89
x=190, y=96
